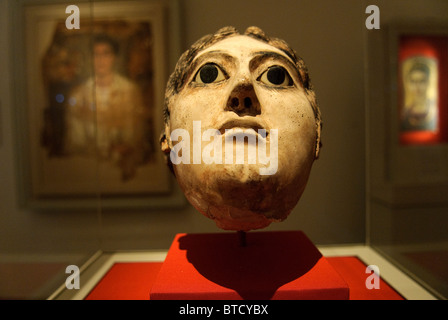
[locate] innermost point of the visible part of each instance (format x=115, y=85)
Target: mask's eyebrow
x=261, y=56
x=216, y=56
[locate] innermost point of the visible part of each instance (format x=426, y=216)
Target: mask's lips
x=243, y=124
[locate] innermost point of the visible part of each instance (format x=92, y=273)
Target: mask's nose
x=243, y=100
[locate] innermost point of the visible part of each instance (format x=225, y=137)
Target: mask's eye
x=209, y=73
x=276, y=76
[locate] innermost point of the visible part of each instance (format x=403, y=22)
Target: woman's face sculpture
x=242, y=129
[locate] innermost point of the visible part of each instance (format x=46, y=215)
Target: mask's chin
x=233, y=218
x=237, y=197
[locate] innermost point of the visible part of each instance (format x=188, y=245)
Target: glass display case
x=408, y=168
x=89, y=209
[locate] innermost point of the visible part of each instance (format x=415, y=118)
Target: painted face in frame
x=241, y=85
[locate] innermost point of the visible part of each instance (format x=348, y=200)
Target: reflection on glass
x=419, y=112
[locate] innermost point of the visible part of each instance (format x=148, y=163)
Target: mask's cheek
x=197, y=104
x=294, y=119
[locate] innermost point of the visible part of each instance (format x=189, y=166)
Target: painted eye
x=209, y=73
x=276, y=76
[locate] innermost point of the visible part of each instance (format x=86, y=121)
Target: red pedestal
x=273, y=265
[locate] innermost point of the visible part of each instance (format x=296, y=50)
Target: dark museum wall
x=329, y=35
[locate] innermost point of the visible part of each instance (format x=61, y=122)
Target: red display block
x=282, y=265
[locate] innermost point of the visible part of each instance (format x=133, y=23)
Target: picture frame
x=89, y=103
x=412, y=48
x=416, y=157
x=422, y=86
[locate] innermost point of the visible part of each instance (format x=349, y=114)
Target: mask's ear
x=164, y=144
x=165, y=147
x=318, y=139
x=311, y=96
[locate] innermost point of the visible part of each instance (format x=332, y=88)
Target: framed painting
x=90, y=87
x=422, y=58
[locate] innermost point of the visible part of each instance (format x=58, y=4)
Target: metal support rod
x=242, y=238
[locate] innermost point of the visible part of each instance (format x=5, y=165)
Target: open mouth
x=245, y=125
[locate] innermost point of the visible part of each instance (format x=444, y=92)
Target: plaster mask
x=242, y=128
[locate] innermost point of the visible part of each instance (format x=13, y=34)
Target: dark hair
x=419, y=66
x=104, y=38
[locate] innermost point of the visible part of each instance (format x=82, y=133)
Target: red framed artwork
x=423, y=89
